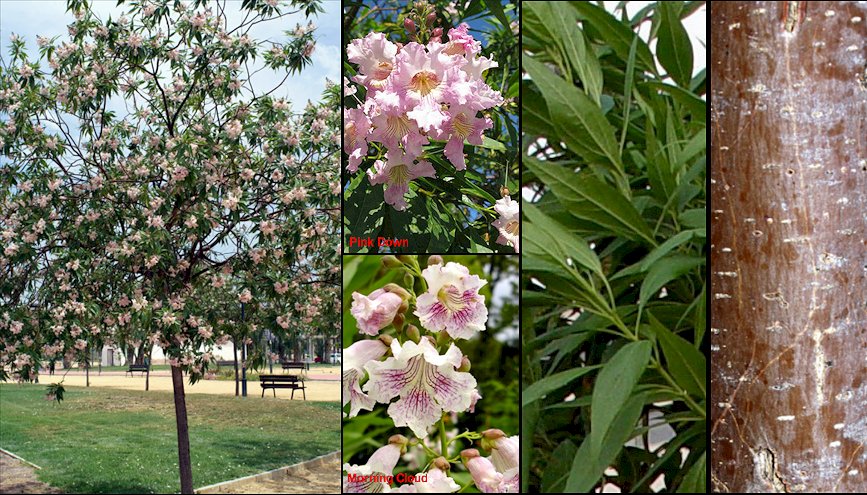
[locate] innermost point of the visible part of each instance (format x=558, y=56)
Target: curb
x=227, y=486
x=25, y=461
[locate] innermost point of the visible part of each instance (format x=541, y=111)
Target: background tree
x=140, y=156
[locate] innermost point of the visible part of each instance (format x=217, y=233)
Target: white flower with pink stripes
x=426, y=382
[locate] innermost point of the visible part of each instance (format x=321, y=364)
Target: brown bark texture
x=789, y=247
x=185, y=466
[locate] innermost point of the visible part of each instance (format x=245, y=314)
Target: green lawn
x=102, y=440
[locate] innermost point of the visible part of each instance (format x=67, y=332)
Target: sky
x=49, y=18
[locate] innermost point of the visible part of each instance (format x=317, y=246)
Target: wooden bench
x=220, y=364
x=143, y=368
x=282, y=381
x=296, y=366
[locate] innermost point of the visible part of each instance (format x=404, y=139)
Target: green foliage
x=55, y=392
x=614, y=249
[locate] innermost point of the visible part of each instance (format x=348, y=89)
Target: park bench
x=282, y=381
x=220, y=364
x=296, y=366
x=143, y=368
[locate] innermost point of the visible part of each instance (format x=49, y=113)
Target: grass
x=103, y=440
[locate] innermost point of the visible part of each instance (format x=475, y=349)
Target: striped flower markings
x=409, y=358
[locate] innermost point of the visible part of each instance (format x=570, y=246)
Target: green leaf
x=617, y=34
x=695, y=105
x=496, y=8
x=551, y=383
x=666, y=247
x=600, y=202
x=492, y=144
x=663, y=272
x=673, y=48
x=570, y=245
x=614, y=386
x=588, y=466
x=695, y=480
x=686, y=364
x=563, y=21
x=555, y=474
x=581, y=123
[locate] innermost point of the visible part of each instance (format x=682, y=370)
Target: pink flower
x=206, y=332
x=381, y=463
x=426, y=382
x=485, y=475
x=509, y=222
x=374, y=55
x=16, y=327
x=504, y=450
x=374, y=312
x=267, y=227
x=245, y=296
x=462, y=124
x=396, y=173
x=281, y=287
x=356, y=127
x=436, y=481
x=80, y=344
x=452, y=301
x=355, y=357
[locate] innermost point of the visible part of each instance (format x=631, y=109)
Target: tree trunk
x=148, y=372
x=235, y=350
x=789, y=247
x=87, y=372
x=184, y=464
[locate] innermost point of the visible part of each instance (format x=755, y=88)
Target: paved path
x=317, y=390
x=18, y=477
x=317, y=476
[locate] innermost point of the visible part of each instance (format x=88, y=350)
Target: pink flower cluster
x=416, y=93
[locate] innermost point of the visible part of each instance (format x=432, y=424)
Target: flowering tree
x=142, y=166
x=430, y=136
x=410, y=358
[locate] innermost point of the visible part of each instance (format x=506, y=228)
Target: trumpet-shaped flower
x=356, y=128
x=486, y=476
x=355, y=357
x=374, y=55
x=376, y=311
x=437, y=481
x=509, y=222
x=426, y=382
x=452, y=301
x=462, y=124
x=396, y=173
x=367, y=478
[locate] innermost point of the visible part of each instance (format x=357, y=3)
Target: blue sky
x=49, y=18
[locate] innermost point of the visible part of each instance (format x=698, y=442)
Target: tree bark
x=184, y=463
x=235, y=350
x=789, y=247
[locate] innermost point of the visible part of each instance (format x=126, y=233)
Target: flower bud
x=431, y=19
x=386, y=339
x=406, y=258
x=396, y=289
x=413, y=334
x=465, y=364
x=408, y=280
x=399, y=440
x=490, y=436
x=409, y=25
x=435, y=259
x=504, y=191
x=443, y=337
x=403, y=307
x=376, y=311
x=390, y=261
x=436, y=39
x=437, y=32
x=399, y=321
x=442, y=464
